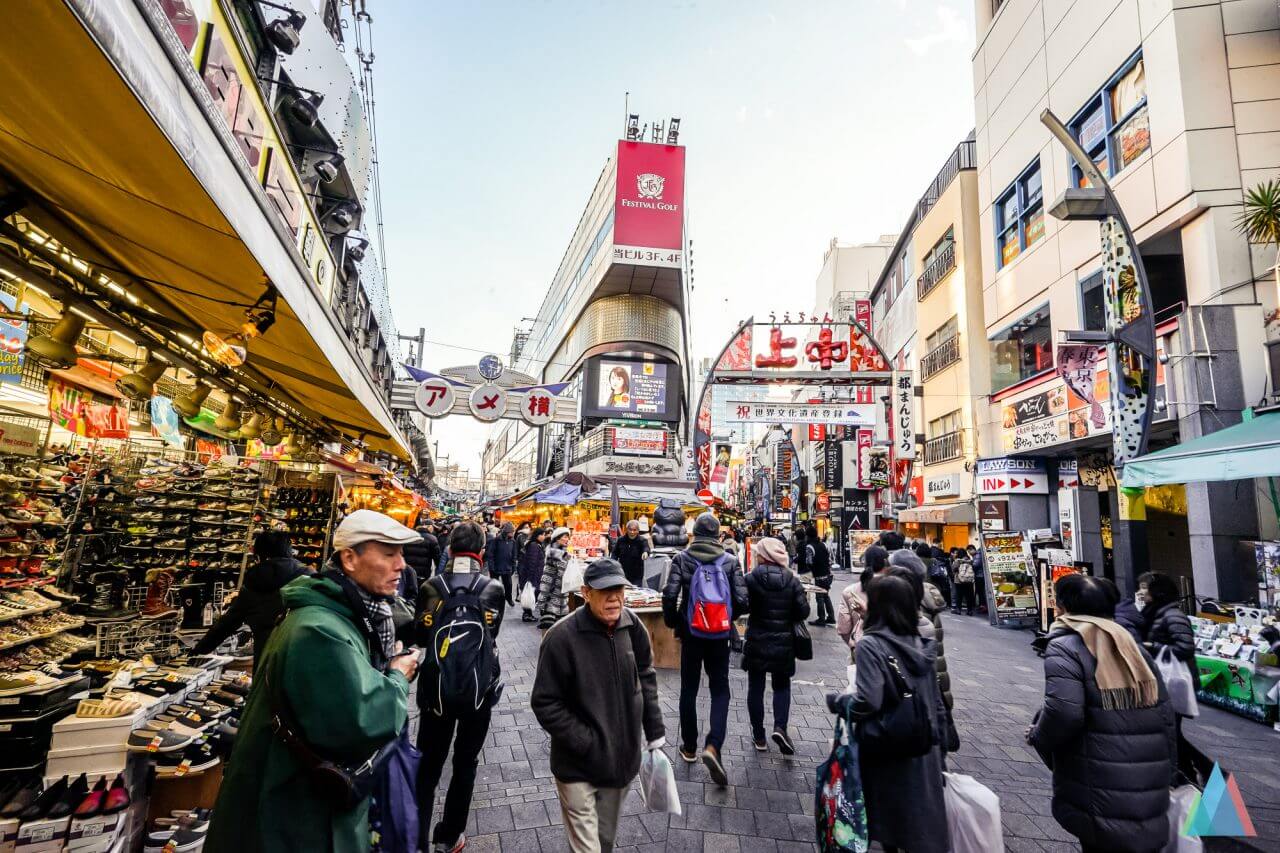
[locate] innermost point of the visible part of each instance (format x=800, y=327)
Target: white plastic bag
x=852, y=672
x=658, y=789
x=1177, y=680
x=1181, y=799
x=528, y=598
x=973, y=815
x=572, y=580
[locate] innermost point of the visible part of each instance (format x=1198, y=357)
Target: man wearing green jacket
x=332, y=668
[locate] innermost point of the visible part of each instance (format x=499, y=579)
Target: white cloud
x=951, y=29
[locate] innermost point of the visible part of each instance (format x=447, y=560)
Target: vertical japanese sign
x=904, y=424
x=831, y=465
x=648, y=220
x=862, y=313
x=863, y=443
x=13, y=341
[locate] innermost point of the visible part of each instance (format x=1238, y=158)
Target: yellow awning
x=73, y=133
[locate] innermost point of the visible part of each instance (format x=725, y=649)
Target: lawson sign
x=1010, y=475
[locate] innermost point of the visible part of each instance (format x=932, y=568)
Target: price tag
x=183, y=768
x=154, y=746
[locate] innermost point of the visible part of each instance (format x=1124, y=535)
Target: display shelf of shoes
x=71, y=626
x=35, y=611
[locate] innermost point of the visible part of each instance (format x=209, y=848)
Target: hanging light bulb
x=229, y=420
x=230, y=347
x=273, y=432
x=57, y=350
x=188, y=404
x=252, y=428
x=140, y=385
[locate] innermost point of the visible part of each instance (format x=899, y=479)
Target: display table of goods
x=1238, y=667
x=111, y=754
x=164, y=540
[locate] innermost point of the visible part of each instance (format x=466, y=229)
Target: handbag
x=393, y=812
x=839, y=810
x=801, y=642
x=903, y=729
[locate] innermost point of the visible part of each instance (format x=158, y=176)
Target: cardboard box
x=8, y=834
x=97, y=835
x=105, y=760
x=42, y=836
x=79, y=732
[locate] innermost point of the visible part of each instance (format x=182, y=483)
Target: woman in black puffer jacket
x=777, y=604
x=1110, y=748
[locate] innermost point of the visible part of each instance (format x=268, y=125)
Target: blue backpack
x=710, y=602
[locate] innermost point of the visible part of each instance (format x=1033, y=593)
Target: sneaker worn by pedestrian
x=785, y=746
x=760, y=744
x=455, y=847
x=711, y=758
x=689, y=754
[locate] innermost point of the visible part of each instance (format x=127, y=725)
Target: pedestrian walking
x=532, y=562
x=459, y=615
x=330, y=686
x=937, y=570
x=903, y=792
x=1129, y=613
x=501, y=559
x=777, y=603
x=1165, y=626
x=818, y=561
x=630, y=551
x=423, y=556
x=852, y=611
x=596, y=694
x=258, y=604
x=966, y=579
x=931, y=607
x=1106, y=729
x=979, y=576
x=704, y=591
x=730, y=543
x=552, y=602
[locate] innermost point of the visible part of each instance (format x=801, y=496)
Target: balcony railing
x=940, y=357
x=938, y=269
x=949, y=445
x=965, y=156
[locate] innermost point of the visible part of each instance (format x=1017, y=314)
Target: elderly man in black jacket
x=630, y=550
x=595, y=693
x=700, y=649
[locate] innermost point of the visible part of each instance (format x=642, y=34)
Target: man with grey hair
x=631, y=550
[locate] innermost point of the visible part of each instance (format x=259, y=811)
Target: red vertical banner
x=863, y=445
x=648, y=219
x=817, y=432
x=862, y=313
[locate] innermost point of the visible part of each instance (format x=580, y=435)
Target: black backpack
x=462, y=653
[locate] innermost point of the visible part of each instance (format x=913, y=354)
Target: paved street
x=997, y=682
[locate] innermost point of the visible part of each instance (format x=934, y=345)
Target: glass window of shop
x=1113, y=127
x=1019, y=213
x=1093, y=314
x=1021, y=351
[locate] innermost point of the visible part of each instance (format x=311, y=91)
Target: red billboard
x=648, y=216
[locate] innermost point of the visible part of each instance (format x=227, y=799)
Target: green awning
x=1241, y=452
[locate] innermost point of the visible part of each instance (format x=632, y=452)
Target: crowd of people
x=336, y=654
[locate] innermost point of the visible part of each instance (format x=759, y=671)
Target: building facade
x=1180, y=107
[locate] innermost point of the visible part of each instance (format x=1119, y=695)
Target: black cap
x=605, y=573
x=706, y=525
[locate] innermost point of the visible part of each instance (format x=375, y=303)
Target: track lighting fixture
x=230, y=347
x=251, y=428
x=140, y=385
x=273, y=433
x=57, y=350
x=229, y=420
x=188, y=404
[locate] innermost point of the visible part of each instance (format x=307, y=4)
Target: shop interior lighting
x=229, y=420
x=252, y=428
x=141, y=384
x=273, y=433
x=57, y=350
x=291, y=446
x=230, y=348
x=188, y=404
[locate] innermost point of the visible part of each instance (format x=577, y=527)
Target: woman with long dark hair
x=532, y=560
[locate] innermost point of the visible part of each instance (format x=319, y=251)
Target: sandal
x=105, y=708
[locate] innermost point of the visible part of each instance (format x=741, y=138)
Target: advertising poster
x=632, y=388
x=13, y=341
x=73, y=409
x=1011, y=584
x=20, y=440
x=648, y=219
x=639, y=442
x=721, y=457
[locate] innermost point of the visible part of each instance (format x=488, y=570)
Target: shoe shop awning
x=1241, y=452
x=957, y=513
x=119, y=163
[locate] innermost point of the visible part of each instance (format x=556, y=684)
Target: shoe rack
x=305, y=504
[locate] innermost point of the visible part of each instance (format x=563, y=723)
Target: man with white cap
x=331, y=686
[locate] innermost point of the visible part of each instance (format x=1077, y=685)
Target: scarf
x=379, y=612
x=1124, y=679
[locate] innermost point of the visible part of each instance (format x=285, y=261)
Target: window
x=1113, y=127
x=945, y=425
x=1020, y=215
x=948, y=331
x=1092, y=311
x=1022, y=350
x=939, y=247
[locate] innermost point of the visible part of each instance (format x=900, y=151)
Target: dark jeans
x=826, y=613
x=506, y=588
x=697, y=654
x=755, y=701
x=434, y=736
x=964, y=597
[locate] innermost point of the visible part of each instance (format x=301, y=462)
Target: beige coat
x=850, y=613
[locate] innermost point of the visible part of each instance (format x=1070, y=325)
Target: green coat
x=345, y=709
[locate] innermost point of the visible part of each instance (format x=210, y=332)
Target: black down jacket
x=1111, y=769
x=257, y=605
x=1171, y=627
x=424, y=556
x=777, y=602
x=932, y=608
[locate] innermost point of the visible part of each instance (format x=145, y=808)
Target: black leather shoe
x=48, y=797
x=72, y=797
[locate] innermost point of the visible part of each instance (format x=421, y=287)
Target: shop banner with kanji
x=844, y=414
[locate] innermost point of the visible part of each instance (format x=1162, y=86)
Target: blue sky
x=803, y=121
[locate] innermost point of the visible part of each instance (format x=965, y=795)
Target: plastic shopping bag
x=572, y=580
x=1181, y=801
x=973, y=815
x=528, y=598
x=1177, y=680
x=658, y=789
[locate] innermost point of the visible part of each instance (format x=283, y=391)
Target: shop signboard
x=817, y=432
x=877, y=470
x=850, y=414
x=648, y=214
x=626, y=466
x=19, y=440
x=1068, y=474
x=903, y=426
x=1012, y=476
x=1068, y=518
x=857, y=509
x=641, y=442
x=832, y=464
x=1010, y=579
x=993, y=515
x=862, y=459
x=862, y=313
x=942, y=486
x=13, y=341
